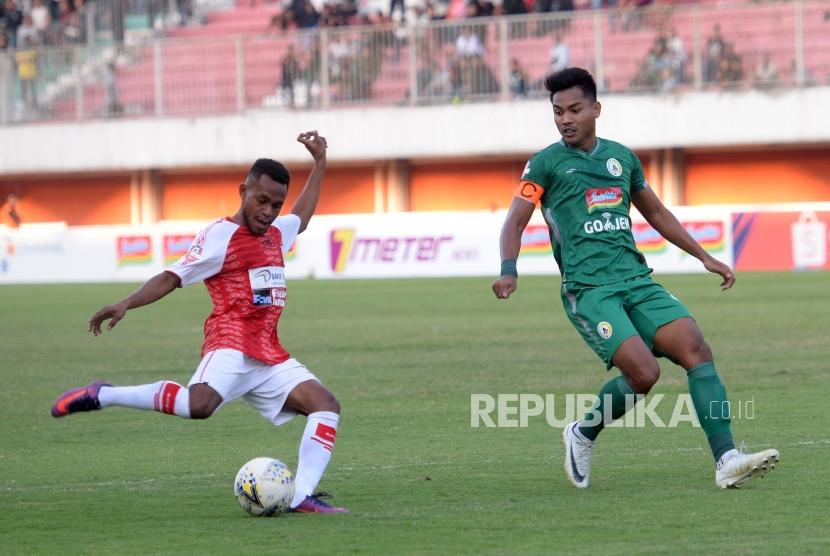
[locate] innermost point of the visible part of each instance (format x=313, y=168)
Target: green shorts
x=608, y=315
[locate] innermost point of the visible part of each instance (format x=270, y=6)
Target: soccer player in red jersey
x=241, y=261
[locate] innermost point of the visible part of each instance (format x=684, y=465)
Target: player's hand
x=113, y=312
x=504, y=286
x=315, y=144
x=713, y=265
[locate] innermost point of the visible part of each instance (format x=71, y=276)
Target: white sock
x=163, y=396
x=315, y=453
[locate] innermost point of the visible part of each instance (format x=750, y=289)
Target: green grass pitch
x=403, y=357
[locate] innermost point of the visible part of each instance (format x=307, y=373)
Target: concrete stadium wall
x=691, y=120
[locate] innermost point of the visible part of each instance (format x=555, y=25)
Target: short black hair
x=572, y=77
x=271, y=168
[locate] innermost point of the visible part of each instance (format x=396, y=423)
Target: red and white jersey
x=245, y=277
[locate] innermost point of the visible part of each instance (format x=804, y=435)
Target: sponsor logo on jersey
x=605, y=330
x=608, y=223
x=526, y=171
x=176, y=247
x=133, y=250
x=570, y=170
x=614, y=167
x=267, y=277
x=535, y=240
x=347, y=248
x=268, y=285
x=603, y=198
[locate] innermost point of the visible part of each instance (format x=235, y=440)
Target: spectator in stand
x=766, y=73
x=513, y=7
x=560, y=55
x=480, y=77
x=69, y=22
x=13, y=19
x=730, y=70
x=290, y=69
x=715, y=47
x=4, y=40
x=468, y=44
x=26, y=59
x=518, y=79
x=114, y=107
x=41, y=20
x=632, y=14
x=305, y=14
x=518, y=29
x=558, y=6
x=397, y=4
x=456, y=9
x=475, y=9
x=677, y=52
x=26, y=31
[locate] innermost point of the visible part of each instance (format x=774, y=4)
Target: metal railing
x=661, y=50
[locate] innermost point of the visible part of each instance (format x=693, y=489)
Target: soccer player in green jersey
x=585, y=185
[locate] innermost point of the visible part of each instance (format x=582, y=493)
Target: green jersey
x=586, y=203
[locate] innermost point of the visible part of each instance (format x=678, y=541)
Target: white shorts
x=265, y=387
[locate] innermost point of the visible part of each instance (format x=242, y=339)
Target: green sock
x=616, y=389
x=711, y=406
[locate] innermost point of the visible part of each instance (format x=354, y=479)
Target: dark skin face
x=262, y=201
x=576, y=116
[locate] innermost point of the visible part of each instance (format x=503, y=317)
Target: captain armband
x=529, y=191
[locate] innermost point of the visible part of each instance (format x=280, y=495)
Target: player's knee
x=644, y=379
x=697, y=353
x=201, y=409
x=703, y=351
x=331, y=404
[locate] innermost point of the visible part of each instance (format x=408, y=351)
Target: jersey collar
x=593, y=151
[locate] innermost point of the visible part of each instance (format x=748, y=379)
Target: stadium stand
x=232, y=61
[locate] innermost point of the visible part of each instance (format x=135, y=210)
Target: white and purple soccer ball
x=264, y=487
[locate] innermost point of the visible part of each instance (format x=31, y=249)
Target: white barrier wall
x=785, y=237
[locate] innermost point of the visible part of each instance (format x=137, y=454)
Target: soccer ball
x=264, y=486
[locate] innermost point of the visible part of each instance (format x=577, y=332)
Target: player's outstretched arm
x=662, y=220
x=510, y=243
x=307, y=201
x=152, y=290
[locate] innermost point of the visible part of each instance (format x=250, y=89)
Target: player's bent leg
x=323, y=411
x=639, y=373
x=682, y=340
x=309, y=397
x=637, y=364
x=163, y=396
x=204, y=400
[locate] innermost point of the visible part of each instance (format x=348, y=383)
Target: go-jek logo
x=346, y=247
x=603, y=198
x=609, y=223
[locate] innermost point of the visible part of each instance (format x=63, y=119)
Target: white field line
x=158, y=483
